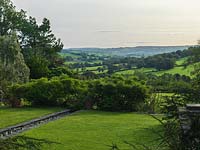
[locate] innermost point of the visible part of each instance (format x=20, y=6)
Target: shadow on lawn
x=147, y=139
x=24, y=143
x=103, y=113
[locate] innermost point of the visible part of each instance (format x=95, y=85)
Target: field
x=94, y=130
x=179, y=68
x=69, y=54
x=12, y=116
x=181, y=61
x=93, y=68
x=131, y=72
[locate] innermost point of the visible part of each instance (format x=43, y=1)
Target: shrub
x=111, y=94
x=47, y=92
x=117, y=94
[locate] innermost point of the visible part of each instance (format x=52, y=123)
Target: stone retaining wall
x=13, y=130
x=186, y=114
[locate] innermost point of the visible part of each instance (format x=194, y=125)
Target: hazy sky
x=114, y=23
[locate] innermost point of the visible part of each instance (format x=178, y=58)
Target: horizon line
x=187, y=45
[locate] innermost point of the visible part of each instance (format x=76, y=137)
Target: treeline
x=168, y=83
x=160, y=62
x=83, y=56
x=83, y=65
x=163, y=61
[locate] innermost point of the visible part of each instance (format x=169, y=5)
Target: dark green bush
x=60, y=71
x=111, y=94
x=117, y=94
x=47, y=92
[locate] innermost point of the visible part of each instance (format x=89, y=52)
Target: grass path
x=94, y=130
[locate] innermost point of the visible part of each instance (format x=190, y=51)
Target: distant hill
x=128, y=51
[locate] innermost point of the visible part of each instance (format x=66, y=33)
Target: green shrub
x=111, y=94
x=117, y=94
x=47, y=92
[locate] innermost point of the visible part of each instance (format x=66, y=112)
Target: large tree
x=39, y=39
x=12, y=65
x=39, y=45
x=10, y=19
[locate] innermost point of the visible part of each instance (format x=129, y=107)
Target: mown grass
x=13, y=116
x=95, y=130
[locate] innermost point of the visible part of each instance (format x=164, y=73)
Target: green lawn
x=95, y=130
x=13, y=116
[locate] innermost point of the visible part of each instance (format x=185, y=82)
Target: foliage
x=38, y=67
x=39, y=45
x=117, y=93
x=112, y=94
x=47, y=92
x=193, y=95
x=195, y=53
x=9, y=18
x=12, y=66
x=170, y=83
x=175, y=137
x=191, y=139
x=159, y=62
x=58, y=71
x=23, y=143
x=171, y=104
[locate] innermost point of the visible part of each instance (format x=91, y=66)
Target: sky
x=119, y=23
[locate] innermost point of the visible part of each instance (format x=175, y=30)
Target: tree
x=10, y=19
x=195, y=54
x=24, y=143
x=39, y=40
x=38, y=67
x=35, y=40
x=13, y=68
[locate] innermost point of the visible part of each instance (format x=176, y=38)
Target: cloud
x=108, y=31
